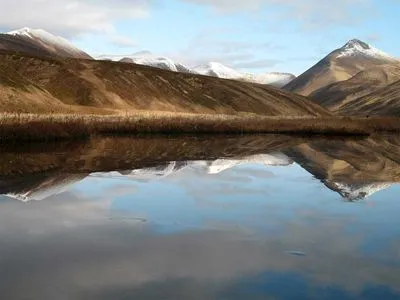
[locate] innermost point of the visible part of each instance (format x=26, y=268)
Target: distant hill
x=39, y=42
x=339, y=65
x=31, y=83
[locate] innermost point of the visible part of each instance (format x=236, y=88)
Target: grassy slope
x=339, y=94
x=33, y=84
x=385, y=101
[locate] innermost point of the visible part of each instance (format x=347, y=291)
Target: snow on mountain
x=356, y=47
x=274, y=78
x=152, y=173
x=216, y=69
x=273, y=159
x=52, y=43
x=148, y=59
x=207, y=167
x=354, y=192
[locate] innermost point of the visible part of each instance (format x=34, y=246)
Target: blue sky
x=250, y=35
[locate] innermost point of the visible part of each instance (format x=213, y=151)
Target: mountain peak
x=356, y=47
x=356, y=43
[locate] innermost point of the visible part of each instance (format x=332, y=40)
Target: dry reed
x=59, y=126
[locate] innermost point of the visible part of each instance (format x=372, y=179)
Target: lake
x=211, y=217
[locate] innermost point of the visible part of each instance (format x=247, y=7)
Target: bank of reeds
x=61, y=126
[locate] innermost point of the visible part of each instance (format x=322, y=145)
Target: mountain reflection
x=355, y=168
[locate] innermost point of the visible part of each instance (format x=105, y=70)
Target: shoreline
x=43, y=127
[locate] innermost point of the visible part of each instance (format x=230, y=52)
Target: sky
x=250, y=35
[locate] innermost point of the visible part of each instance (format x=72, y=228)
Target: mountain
x=213, y=69
x=39, y=84
x=384, y=101
x=339, y=65
x=216, y=69
x=148, y=59
x=339, y=94
x=39, y=42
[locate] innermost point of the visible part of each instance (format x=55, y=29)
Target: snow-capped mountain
x=50, y=43
x=340, y=65
x=148, y=59
x=356, y=47
x=213, y=69
x=354, y=192
x=216, y=69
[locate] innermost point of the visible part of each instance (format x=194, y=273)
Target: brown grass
x=60, y=126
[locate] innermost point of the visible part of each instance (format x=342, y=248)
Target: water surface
x=226, y=217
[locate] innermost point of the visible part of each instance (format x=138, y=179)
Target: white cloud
x=122, y=41
x=70, y=18
x=308, y=12
x=242, y=55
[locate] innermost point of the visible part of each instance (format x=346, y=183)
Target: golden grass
x=59, y=126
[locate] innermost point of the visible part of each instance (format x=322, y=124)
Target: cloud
x=205, y=47
x=256, y=64
x=308, y=12
x=70, y=18
x=122, y=41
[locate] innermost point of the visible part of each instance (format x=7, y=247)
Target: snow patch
x=356, y=47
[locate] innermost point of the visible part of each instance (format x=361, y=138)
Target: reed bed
x=65, y=126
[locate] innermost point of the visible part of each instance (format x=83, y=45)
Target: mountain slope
x=384, y=101
x=39, y=42
x=105, y=84
x=339, y=65
x=338, y=94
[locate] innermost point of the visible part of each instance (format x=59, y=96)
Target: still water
x=253, y=217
